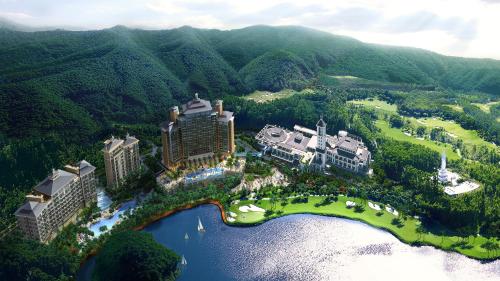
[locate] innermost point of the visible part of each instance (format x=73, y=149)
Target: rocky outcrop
x=277, y=178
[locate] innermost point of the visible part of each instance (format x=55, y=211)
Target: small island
x=133, y=255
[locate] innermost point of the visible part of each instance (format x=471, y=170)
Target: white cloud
x=164, y=7
x=15, y=16
x=463, y=28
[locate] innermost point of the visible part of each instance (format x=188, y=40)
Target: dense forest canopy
x=133, y=255
x=74, y=83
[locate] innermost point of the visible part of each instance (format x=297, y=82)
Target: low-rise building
x=56, y=200
x=121, y=158
x=452, y=181
x=314, y=148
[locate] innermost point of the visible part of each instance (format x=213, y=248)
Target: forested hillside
x=76, y=82
x=63, y=91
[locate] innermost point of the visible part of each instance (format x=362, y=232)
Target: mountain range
x=72, y=82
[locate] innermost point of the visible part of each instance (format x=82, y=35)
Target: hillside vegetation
x=62, y=92
x=78, y=82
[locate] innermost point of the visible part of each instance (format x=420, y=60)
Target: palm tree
x=420, y=231
x=490, y=246
x=273, y=201
x=363, y=195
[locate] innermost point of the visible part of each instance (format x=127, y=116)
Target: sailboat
x=186, y=237
x=200, y=226
x=184, y=261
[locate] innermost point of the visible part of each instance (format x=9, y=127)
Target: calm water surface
x=303, y=247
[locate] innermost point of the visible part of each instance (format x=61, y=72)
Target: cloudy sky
x=469, y=28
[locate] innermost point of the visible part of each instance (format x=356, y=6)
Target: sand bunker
x=374, y=206
x=250, y=208
x=392, y=211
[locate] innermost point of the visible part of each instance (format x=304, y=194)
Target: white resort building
x=315, y=149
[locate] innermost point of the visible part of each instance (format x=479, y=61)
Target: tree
x=268, y=213
x=437, y=134
x=421, y=131
x=22, y=259
x=396, y=121
x=132, y=255
x=273, y=201
x=420, y=231
x=359, y=208
x=490, y=246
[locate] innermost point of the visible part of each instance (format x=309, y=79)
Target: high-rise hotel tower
x=197, y=133
x=121, y=158
x=57, y=200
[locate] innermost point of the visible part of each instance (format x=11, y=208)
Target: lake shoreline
x=241, y=224
x=182, y=208
x=165, y=214
x=413, y=244
x=400, y=236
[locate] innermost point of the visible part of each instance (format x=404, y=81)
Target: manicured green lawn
x=468, y=136
x=455, y=107
x=397, y=134
x=486, y=106
x=407, y=233
x=352, y=82
x=377, y=105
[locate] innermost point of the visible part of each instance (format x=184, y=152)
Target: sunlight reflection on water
x=304, y=247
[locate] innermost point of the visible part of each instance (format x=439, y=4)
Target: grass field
x=376, y=105
x=357, y=82
x=408, y=232
x=455, y=107
x=397, y=134
x=486, y=106
x=265, y=96
x=468, y=136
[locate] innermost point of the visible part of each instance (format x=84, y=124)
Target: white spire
x=443, y=161
x=443, y=173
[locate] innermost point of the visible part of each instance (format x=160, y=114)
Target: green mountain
x=77, y=82
x=276, y=70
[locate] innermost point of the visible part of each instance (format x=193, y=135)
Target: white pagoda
x=442, y=172
x=450, y=179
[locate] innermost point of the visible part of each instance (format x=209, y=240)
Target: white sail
x=183, y=261
x=186, y=236
x=200, y=226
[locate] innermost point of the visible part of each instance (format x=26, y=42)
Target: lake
x=303, y=247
